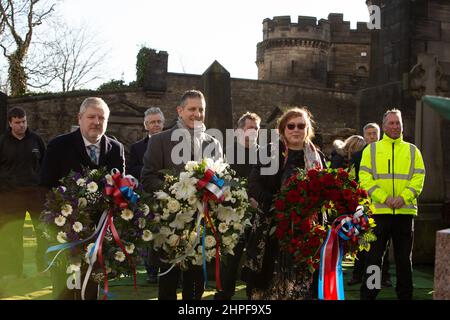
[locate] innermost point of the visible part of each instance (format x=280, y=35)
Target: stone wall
x=334, y=111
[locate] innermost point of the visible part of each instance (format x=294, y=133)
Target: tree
x=18, y=20
x=69, y=59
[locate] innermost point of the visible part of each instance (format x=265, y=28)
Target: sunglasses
x=300, y=126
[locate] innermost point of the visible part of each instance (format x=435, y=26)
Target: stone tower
x=326, y=53
x=294, y=52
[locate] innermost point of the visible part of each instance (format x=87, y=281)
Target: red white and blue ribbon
x=346, y=227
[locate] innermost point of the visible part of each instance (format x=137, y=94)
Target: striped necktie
x=93, y=153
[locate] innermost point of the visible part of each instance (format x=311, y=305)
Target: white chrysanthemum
x=192, y=237
x=190, y=166
x=66, y=210
x=161, y=195
x=77, y=226
x=193, y=200
x=157, y=217
x=82, y=203
x=227, y=241
x=127, y=214
x=185, y=187
x=142, y=223
x=60, y=221
x=210, y=254
x=166, y=214
x=210, y=241
x=109, y=179
x=227, y=214
x=234, y=236
x=119, y=256
x=223, y=227
x=61, y=237
x=73, y=267
x=197, y=261
x=81, y=182
x=147, y=235
x=181, y=219
x=227, y=194
x=130, y=248
x=145, y=209
x=173, y=240
x=173, y=205
x=92, y=187
x=237, y=226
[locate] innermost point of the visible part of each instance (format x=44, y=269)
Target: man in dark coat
x=153, y=124
x=195, y=144
x=87, y=147
x=21, y=153
x=241, y=155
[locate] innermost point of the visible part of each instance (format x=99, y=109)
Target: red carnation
x=279, y=233
x=314, y=185
x=313, y=173
x=342, y=173
x=280, y=216
x=353, y=183
x=292, y=196
x=347, y=194
x=279, y=205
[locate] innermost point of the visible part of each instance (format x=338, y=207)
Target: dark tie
x=92, y=153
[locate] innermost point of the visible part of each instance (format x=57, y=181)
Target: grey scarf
x=194, y=136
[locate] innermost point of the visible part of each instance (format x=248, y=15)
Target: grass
x=36, y=286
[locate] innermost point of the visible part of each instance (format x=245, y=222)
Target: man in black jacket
x=87, y=147
x=153, y=124
x=241, y=155
x=21, y=153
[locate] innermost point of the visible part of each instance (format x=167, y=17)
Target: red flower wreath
x=301, y=198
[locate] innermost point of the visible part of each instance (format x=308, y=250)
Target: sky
x=195, y=32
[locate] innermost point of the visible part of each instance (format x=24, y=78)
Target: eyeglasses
x=154, y=122
x=300, y=126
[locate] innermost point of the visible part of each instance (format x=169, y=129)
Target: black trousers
x=400, y=228
x=13, y=207
x=360, y=264
x=193, y=283
x=229, y=272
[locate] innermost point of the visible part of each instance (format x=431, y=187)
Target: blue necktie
x=92, y=153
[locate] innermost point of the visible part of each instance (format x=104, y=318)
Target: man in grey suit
x=170, y=150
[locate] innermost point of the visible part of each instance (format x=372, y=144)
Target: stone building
x=324, y=54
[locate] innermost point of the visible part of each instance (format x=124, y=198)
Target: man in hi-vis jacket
x=392, y=171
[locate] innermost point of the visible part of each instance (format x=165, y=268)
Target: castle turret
x=294, y=52
x=326, y=53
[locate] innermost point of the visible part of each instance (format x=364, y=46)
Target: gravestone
x=217, y=91
x=3, y=111
x=425, y=78
x=442, y=266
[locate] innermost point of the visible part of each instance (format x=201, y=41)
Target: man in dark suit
x=88, y=147
x=153, y=123
x=241, y=155
x=190, y=143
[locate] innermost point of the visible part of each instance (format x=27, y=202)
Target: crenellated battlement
x=305, y=28
x=327, y=52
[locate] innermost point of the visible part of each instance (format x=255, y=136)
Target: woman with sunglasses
x=269, y=272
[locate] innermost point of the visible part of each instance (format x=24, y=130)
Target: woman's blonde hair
x=295, y=113
x=351, y=145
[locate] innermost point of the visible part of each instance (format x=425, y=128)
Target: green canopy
x=439, y=104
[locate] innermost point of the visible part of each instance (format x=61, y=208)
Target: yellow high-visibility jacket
x=392, y=168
